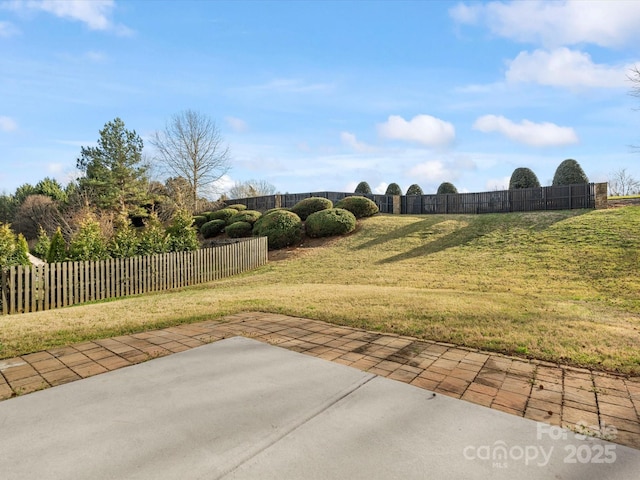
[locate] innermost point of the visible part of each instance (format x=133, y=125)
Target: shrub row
x=284, y=227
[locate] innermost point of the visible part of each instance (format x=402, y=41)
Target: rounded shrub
x=363, y=188
x=222, y=214
x=446, y=187
x=281, y=227
x=238, y=206
x=330, y=222
x=249, y=216
x=569, y=172
x=276, y=209
x=310, y=205
x=200, y=220
x=523, y=177
x=393, y=189
x=212, y=228
x=414, y=190
x=239, y=229
x=360, y=206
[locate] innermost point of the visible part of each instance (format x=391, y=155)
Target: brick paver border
x=579, y=399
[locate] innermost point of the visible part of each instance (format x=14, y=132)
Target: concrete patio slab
x=239, y=408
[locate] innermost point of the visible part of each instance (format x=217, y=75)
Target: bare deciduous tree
x=40, y=211
x=251, y=188
x=621, y=183
x=191, y=146
x=634, y=76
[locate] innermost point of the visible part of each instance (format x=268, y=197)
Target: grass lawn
x=558, y=286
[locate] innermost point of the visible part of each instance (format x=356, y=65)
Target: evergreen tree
x=569, y=172
x=523, y=177
x=414, y=190
x=393, y=189
x=125, y=241
x=88, y=242
x=363, y=188
x=7, y=208
x=115, y=175
x=21, y=254
x=153, y=238
x=13, y=250
x=446, y=187
x=42, y=245
x=57, y=249
x=51, y=188
x=183, y=237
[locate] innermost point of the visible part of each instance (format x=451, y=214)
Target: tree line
x=114, y=209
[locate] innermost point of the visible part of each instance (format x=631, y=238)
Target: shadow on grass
x=478, y=226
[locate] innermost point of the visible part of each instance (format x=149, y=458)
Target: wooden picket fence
x=32, y=289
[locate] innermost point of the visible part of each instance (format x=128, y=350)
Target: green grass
x=621, y=197
x=557, y=286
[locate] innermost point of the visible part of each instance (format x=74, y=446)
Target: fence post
x=397, y=206
x=601, y=196
x=3, y=292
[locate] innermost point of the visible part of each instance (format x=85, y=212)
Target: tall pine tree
x=115, y=176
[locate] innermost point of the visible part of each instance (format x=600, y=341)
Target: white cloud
x=565, y=68
x=350, y=187
x=7, y=30
x=432, y=171
x=533, y=134
x=424, y=129
x=8, y=124
x=569, y=22
x=222, y=185
x=498, y=183
x=380, y=189
x=237, y=125
x=95, y=14
x=349, y=139
x=55, y=168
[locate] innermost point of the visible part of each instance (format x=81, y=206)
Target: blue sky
x=318, y=96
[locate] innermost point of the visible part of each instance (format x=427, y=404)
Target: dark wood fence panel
x=56, y=285
x=521, y=200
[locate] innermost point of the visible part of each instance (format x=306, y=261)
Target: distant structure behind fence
x=563, y=197
x=56, y=285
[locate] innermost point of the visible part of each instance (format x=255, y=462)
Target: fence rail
x=562, y=197
x=31, y=289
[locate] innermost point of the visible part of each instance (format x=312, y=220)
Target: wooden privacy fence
x=288, y=200
x=56, y=285
x=561, y=197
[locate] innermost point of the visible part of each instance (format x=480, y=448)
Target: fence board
x=30, y=289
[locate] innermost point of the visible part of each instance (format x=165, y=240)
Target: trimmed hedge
x=238, y=206
x=249, y=216
x=363, y=188
x=281, y=227
x=523, y=177
x=200, y=220
x=414, y=190
x=446, y=187
x=310, y=205
x=393, y=189
x=360, y=206
x=212, y=228
x=569, y=172
x=330, y=222
x=239, y=229
x=223, y=214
